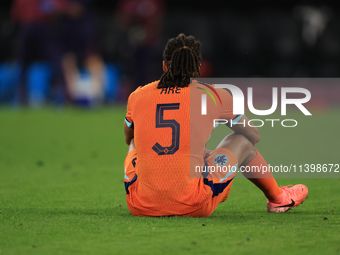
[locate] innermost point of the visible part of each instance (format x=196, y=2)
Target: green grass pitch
x=62, y=192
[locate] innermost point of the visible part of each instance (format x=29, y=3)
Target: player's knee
x=247, y=147
x=249, y=152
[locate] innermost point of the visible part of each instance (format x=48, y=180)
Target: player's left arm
x=249, y=131
x=129, y=133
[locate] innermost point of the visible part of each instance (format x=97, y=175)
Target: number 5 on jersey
x=173, y=124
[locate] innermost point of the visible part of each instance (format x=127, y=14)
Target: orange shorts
x=219, y=182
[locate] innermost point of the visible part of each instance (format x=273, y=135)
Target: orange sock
x=264, y=181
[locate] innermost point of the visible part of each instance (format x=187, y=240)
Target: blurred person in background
x=37, y=36
x=78, y=35
x=142, y=22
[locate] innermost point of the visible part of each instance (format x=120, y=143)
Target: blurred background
x=95, y=52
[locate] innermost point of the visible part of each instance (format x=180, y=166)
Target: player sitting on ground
x=167, y=139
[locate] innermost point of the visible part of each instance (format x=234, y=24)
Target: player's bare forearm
x=129, y=134
x=252, y=133
x=254, y=139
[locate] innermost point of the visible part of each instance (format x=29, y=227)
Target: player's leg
x=247, y=155
x=279, y=199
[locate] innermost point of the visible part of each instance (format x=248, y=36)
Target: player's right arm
x=252, y=133
x=129, y=133
x=128, y=123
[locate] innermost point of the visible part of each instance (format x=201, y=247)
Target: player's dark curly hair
x=182, y=56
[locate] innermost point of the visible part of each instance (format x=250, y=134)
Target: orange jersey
x=170, y=135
